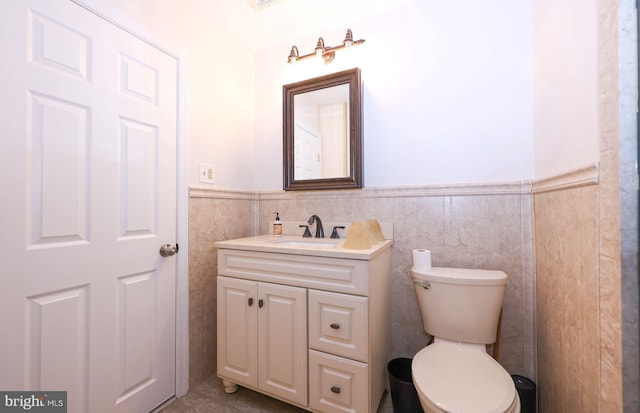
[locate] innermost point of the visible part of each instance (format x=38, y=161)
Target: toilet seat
x=455, y=377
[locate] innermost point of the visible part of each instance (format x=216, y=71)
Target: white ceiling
x=269, y=23
x=260, y=4
x=263, y=24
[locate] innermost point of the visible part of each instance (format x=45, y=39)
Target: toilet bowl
x=462, y=378
x=460, y=308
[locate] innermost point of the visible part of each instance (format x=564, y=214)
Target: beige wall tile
x=491, y=230
x=479, y=230
x=210, y=220
x=609, y=207
x=567, y=313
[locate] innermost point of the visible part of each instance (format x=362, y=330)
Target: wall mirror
x=323, y=132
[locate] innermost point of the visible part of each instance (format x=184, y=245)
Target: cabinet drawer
x=335, y=274
x=337, y=385
x=338, y=324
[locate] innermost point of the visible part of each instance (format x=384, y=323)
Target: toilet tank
x=460, y=304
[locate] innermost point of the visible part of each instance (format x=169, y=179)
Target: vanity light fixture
x=327, y=53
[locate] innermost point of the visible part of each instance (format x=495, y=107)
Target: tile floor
x=210, y=397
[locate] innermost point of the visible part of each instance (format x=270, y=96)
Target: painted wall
x=496, y=91
x=220, y=82
x=447, y=93
x=565, y=95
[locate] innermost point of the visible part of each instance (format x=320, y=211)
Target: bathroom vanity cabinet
x=309, y=326
x=263, y=328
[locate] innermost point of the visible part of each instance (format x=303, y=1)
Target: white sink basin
x=304, y=243
x=298, y=245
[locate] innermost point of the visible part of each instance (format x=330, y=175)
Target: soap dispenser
x=277, y=225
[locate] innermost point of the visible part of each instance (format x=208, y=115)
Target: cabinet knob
x=250, y=302
x=260, y=303
x=335, y=389
x=335, y=326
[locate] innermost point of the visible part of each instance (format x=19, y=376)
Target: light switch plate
x=206, y=173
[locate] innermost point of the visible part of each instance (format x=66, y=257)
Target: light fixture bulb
x=320, y=47
x=293, y=56
x=348, y=39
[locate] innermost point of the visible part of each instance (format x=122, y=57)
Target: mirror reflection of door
x=334, y=127
x=307, y=153
x=321, y=133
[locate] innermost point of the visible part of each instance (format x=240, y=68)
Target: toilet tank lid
x=464, y=276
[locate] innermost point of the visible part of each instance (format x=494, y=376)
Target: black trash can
x=403, y=393
x=527, y=393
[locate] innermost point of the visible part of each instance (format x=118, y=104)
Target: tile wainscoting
x=213, y=216
x=469, y=226
x=578, y=304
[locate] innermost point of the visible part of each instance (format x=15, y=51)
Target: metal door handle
x=168, y=250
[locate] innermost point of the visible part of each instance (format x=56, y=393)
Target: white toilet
x=460, y=309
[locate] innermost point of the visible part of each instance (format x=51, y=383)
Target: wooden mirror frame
x=354, y=180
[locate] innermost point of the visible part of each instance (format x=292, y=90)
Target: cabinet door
x=237, y=331
x=282, y=342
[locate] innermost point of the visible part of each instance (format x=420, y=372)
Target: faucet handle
x=334, y=233
x=307, y=233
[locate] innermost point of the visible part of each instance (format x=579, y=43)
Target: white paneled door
x=88, y=186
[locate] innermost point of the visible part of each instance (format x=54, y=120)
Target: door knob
x=168, y=250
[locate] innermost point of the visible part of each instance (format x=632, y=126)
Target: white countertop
x=297, y=245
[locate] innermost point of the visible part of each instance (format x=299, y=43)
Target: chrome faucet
x=319, y=228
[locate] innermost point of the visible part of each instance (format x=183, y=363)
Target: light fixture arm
x=327, y=53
